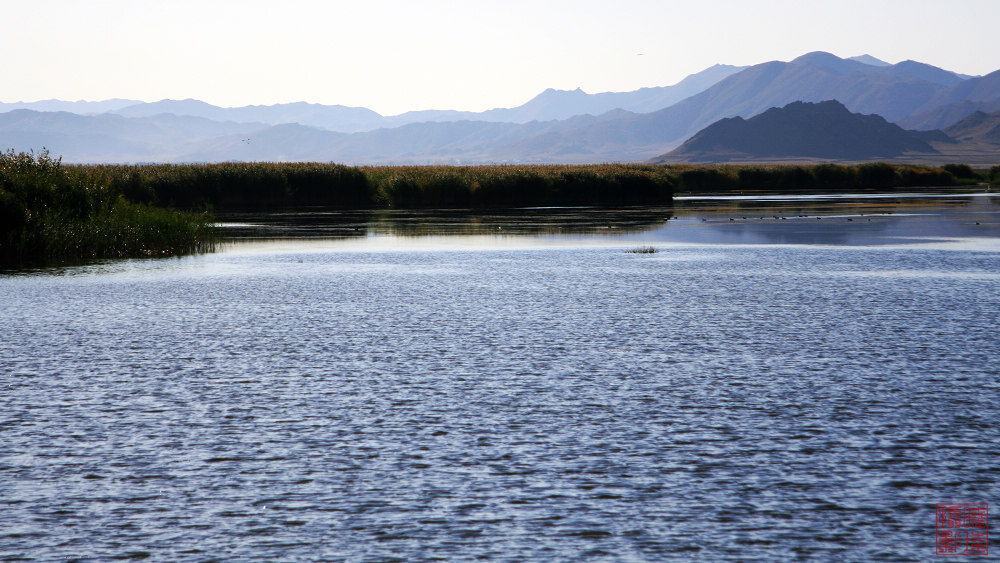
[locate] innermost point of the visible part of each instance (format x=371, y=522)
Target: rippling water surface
x=786, y=385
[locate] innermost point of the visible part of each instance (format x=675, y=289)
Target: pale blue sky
x=393, y=56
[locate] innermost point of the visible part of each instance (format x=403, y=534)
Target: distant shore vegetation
x=262, y=186
x=825, y=178
x=248, y=186
x=53, y=211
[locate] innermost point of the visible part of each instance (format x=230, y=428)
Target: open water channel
x=781, y=379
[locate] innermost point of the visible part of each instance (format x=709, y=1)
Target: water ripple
x=725, y=403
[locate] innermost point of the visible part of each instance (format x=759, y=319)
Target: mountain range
x=556, y=126
x=549, y=105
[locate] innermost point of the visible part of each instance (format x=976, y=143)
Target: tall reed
x=49, y=212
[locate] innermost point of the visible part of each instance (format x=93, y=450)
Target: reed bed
x=265, y=185
x=51, y=213
x=268, y=185
x=606, y=185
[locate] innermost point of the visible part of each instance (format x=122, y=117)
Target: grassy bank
x=261, y=186
x=50, y=213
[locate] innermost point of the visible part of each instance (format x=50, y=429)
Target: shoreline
x=54, y=212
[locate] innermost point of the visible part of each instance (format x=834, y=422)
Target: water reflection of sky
x=945, y=221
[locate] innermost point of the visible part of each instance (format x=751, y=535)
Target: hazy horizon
x=393, y=56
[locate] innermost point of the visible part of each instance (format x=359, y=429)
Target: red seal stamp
x=963, y=529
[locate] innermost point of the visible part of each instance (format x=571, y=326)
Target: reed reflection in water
x=854, y=220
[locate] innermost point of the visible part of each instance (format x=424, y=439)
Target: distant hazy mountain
x=891, y=91
x=547, y=106
x=555, y=126
x=978, y=127
x=81, y=107
x=188, y=107
x=339, y=118
x=563, y=104
x=414, y=143
x=977, y=93
x=276, y=143
x=869, y=60
x=927, y=72
x=825, y=130
x=109, y=137
x=945, y=115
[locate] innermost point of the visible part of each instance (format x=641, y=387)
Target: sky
x=393, y=56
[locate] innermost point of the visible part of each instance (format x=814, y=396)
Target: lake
x=783, y=378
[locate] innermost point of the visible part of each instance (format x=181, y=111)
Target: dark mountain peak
x=811, y=112
x=824, y=130
x=829, y=107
